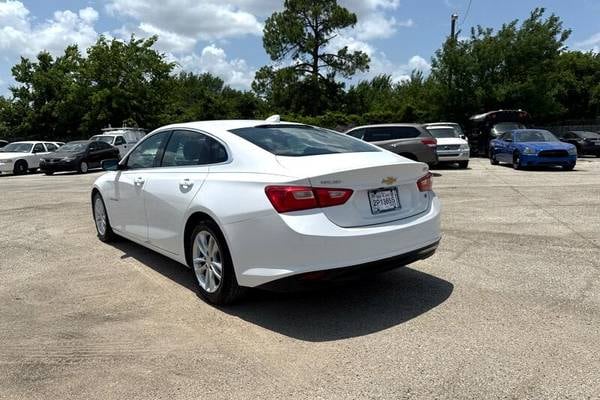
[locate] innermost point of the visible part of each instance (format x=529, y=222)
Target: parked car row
x=82, y=155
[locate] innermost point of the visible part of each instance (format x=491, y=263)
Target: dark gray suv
x=409, y=140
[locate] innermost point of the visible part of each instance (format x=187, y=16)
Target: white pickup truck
x=122, y=138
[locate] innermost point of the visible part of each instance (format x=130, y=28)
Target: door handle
x=139, y=181
x=186, y=184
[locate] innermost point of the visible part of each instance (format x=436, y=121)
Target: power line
x=466, y=14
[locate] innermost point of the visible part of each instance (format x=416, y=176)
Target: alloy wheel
x=208, y=261
x=100, y=216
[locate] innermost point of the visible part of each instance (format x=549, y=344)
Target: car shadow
x=539, y=169
x=341, y=311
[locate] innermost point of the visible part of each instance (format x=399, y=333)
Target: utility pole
x=453, y=20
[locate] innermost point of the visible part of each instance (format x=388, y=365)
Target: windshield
x=503, y=127
x=73, y=147
x=301, y=140
x=17, y=148
x=588, y=135
x=105, y=139
x=535, y=136
x=442, y=133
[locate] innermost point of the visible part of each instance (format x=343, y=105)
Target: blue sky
x=224, y=38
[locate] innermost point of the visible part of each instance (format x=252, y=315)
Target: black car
x=3, y=143
x=78, y=156
x=587, y=143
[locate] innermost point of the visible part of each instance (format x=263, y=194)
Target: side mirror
x=110, y=164
x=463, y=137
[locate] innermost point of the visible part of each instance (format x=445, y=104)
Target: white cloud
x=20, y=35
x=204, y=20
x=235, y=72
x=590, y=44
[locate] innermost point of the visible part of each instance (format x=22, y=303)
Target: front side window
x=193, y=148
x=507, y=136
x=119, y=140
x=359, y=133
x=146, y=155
x=503, y=127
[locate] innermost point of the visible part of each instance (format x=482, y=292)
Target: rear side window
x=38, y=148
x=193, y=148
x=379, y=134
x=301, y=140
x=358, y=133
x=51, y=146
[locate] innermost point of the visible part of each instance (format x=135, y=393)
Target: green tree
x=302, y=35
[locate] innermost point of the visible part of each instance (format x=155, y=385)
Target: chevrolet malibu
x=267, y=204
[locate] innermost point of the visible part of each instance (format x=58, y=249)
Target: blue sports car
x=532, y=147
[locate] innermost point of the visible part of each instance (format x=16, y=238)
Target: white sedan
x=267, y=204
x=19, y=157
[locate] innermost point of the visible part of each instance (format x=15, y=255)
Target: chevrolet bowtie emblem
x=390, y=180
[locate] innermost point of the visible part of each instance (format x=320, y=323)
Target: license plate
x=384, y=200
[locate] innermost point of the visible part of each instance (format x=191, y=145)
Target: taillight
x=429, y=142
x=296, y=198
x=425, y=184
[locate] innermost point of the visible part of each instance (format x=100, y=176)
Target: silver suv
x=412, y=141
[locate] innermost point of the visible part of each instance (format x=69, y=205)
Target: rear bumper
x=313, y=280
x=534, y=160
x=590, y=149
x=278, y=246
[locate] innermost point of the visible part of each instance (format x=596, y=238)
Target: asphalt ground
x=509, y=306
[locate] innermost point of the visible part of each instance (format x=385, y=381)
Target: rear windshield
x=443, y=133
x=301, y=140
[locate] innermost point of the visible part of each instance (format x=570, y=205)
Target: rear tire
x=32, y=170
x=210, y=261
x=20, y=167
x=49, y=173
x=463, y=164
x=103, y=228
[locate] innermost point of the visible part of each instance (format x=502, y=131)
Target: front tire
x=212, y=266
x=568, y=167
x=517, y=161
x=20, y=167
x=493, y=159
x=103, y=228
x=463, y=164
x=49, y=173
x=83, y=168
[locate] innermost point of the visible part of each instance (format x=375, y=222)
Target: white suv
x=451, y=145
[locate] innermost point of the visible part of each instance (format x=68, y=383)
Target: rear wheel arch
x=193, y=220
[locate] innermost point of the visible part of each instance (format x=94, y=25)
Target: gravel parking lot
x=509, y=307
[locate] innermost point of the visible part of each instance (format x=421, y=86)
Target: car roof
x=439, y=126
x=79, y=141
x=226, y=125
x=29, y=142
x=388, y=125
